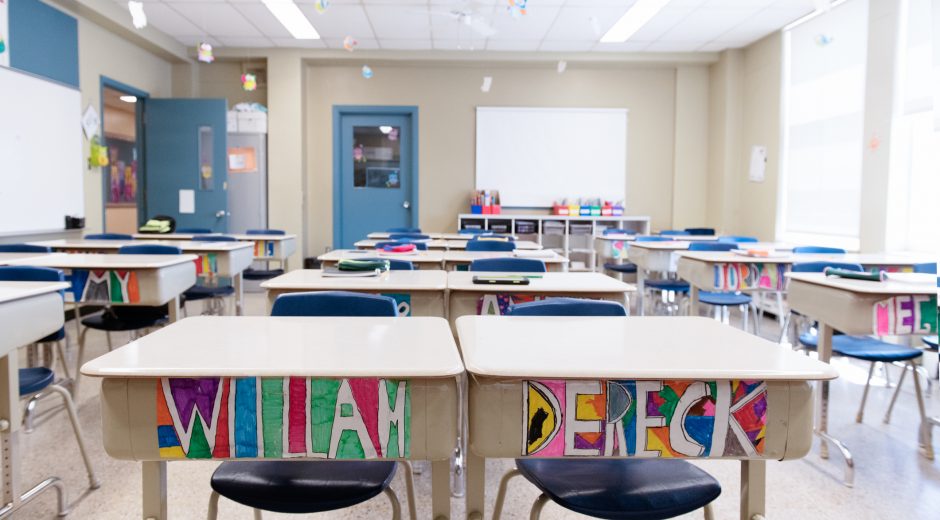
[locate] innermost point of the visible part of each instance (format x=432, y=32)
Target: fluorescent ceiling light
x=292, y=18
x=128, y=99
x=632, y=20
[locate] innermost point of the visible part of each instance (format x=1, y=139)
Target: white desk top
x=104, y=261
x=672, y=245
x=903, y=283
x=12, y=291
x=280, y=346
x=549, y=282
x=8, y=258
x=520, y=244
x=185, y=245
x=469, y=256
x=435, y=236
x=434, y=256
x=170, y=236
x=626, y=348
x=615, y=236
x=679, y=245
x=788, y=258
x=313, y=279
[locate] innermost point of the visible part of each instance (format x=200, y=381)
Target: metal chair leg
x=396, y=505
x=894, y=396
x=63, y=361
x=861, y=408
x=784, y=328
x=503, y=489
x=79, y=358
x=410, y=487
x=213, y=513
x=93, y=481
x=926, y=440
x=709, y=512
x=29, y=412
x=110, y=346
x=537, y=507
x=257, y=513
x=745, y=310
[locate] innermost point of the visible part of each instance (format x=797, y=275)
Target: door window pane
x=206, y=176
x=376, y=157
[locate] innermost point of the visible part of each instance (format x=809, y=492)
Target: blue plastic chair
x=108, y=236
x=24, y=248
x=265, y=232
x=674, y=232
x=508, y=265
x=609, y=488
x=394, y=264
x=725, y=300
x=469, y=231
x=313, y=487
x=701, y=231
x=149, y=249
x=403, y=230
x=490, y=245
x=819, y=250
x=194, y=230
x=214, y=238
x=665, y=285
x=420, y=246
x=409, y=236
x=653, y=238
x=493, y=236
x=737, y=239
x=214, y=293
x=616, y=231
x=37, y=382
x=927, y=268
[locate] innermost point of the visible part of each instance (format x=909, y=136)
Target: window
x=823, y=118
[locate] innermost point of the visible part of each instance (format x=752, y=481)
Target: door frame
x=409, y=111
x=113, y=84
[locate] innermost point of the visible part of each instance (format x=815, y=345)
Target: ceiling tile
x=217, y=19
x=261, y=17
x=707, y=24
x=409, y=21
x=363, y=44
x=340, y=21
x=627, y=46
x=584, y=23
x=532, y=26
x=192, y=40
x=673, y=46
x=301, y=44
x=405, y=45
x=665, y=20
x=166, y=19
x=245, y=41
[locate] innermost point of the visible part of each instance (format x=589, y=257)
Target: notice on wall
x=242, y=160
x=758, y=164
x=4, y=33
x=187, y=201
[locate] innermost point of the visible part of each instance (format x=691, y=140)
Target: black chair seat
x=622, y=489
x=199, y=292
x=34, y=379
x=301, y=487
x=117, y=319
x=261, y=274
x=620, y=268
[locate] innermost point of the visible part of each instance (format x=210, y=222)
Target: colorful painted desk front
x=275, y=388
x=420, y=259
x=418, y=293
x=861, y=307
x=456, y=258
x=276, y=248
x=634, y=387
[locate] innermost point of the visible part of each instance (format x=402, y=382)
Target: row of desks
x=446, y=244
x=437, y=259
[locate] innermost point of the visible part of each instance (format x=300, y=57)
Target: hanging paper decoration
x=321, y=6
x=874, y=142
x=562, y=66
x=249, y=82
x=359, y=154
x=823, y=39
x=204, y=53
x=487, y=83
x=393, y=134
x=367, y=72
x=517, y=8
x=3, y=45
x=97, y=154
x=350, y=43
x=138, y=16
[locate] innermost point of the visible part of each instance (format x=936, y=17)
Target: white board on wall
x=535, y=156
x=40, y=153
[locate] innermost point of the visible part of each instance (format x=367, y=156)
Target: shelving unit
x=569, y=236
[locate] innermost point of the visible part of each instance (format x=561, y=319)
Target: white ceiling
x=549, y=25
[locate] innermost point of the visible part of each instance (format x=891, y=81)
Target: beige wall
x=222, y=79
x=447, y=95
x=690, y=180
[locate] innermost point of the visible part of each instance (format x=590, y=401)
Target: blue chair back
x=736, y=239
x=475, y=232
x=411, y=236
x=24, y=248
x=194, y=230
x=214, y=238
x=818, y=267
x=25, y=273
x=490, y=245
x=928, y=268
x=265, y=232
x=568, y=307
x=334, y=303
x=149, y=249
x=819, y=249
x=649, y=238
x=508, y=265
x=108, y=236
x=394, y=264
x=673, y=232
x=712, y=246
x=700, y=231
x=492, y=236
x=616, y=231
x=403, y=230
x=420, y=246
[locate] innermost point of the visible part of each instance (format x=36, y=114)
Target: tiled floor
x=892, y=479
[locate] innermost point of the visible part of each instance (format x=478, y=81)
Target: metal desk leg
x=640, y=290
x=239, y=294
x=693, y=300
x=824, y=348
x=440, y=489
x=174, y=309
x=154, y=489
x=476, y=481
x=753, y=487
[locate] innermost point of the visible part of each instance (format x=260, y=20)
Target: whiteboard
x=535, y=156
x=40, y=153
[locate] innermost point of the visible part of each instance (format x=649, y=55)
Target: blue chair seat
x=33, y=380
x=119, y=319
x=301, y=487
x=631, y=489
x=667, y=285
x=931, y=342
x=723, y=298
x=620, y=268
x=199, y=292
x=864, y=347
x=261, y=274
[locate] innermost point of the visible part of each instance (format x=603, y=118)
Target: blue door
x=375, y=173
x=184, y=149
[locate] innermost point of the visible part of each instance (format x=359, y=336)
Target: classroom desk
x=517, y=362
x=385, y=235
x=420, y=259
x=452, y=259
x=124, y=279
x=9, y=258
x=215, y=259
x=861, y=307
x=287, y=369
x=277, y=248
x=439, y=243
x=469, y=299
x=29, y=311
x=369, y=243
x=417, y=293
x=520, y=244
x=169, y=236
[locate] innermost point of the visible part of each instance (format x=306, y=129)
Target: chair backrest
x=420, y=246
x=616, y=231
x=490, y=245
x=403, y=230
x=712, y=246
x=334, y=303
x=819, y=249
x=650, y=238
x=673, y=232
x=508, y=265
x=24, y=248
x=394, y=264
x=700, y=231
x=108, y=236
x=194, y=230
x=149, y=249
x=265, y=232
x=412, y=236
x=568, y=307
x=493, y=236
x=214, y=238
x=475, y=232
x=818, y=267
x=927, y=268
x=736, y=238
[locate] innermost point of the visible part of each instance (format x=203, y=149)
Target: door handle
x=222, y=213
x=406, y=205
